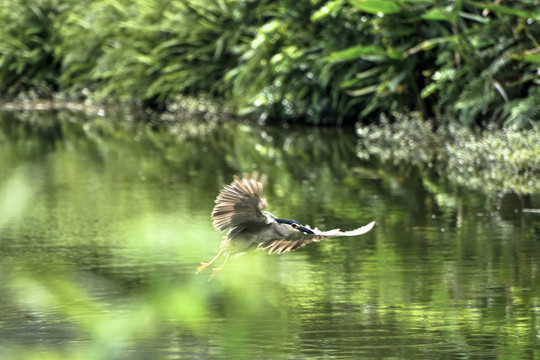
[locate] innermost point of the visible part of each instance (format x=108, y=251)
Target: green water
x=103, y=222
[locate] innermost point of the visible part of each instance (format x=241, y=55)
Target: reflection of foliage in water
x=114, y=216
x=507, y=161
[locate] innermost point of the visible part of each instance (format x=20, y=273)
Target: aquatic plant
x=491, y=160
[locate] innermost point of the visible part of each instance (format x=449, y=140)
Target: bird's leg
x=217, y=270
x=205, y=265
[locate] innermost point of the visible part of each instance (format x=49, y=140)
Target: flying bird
x=239, y=211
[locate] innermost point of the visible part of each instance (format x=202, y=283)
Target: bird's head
x=295, y=225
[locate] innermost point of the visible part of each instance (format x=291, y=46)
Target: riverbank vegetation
x=337, y=61
x=489, y=161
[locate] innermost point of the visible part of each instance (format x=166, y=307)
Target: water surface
x=104, y=220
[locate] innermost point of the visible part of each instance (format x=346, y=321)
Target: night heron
x=239, y=211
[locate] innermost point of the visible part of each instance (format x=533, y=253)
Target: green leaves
x=317, y=61
x=530, y=56
x=29, y=42
x=502, y=10
x=378, y=6
x=369, y=52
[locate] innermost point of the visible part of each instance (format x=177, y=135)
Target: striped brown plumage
x=239, y=211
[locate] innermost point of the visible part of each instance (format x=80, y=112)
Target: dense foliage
x=316, y=61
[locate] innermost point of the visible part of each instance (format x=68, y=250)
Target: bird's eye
x=294, y=225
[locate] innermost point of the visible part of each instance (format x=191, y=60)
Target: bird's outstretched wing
x=297, y=239
x=240, y=203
